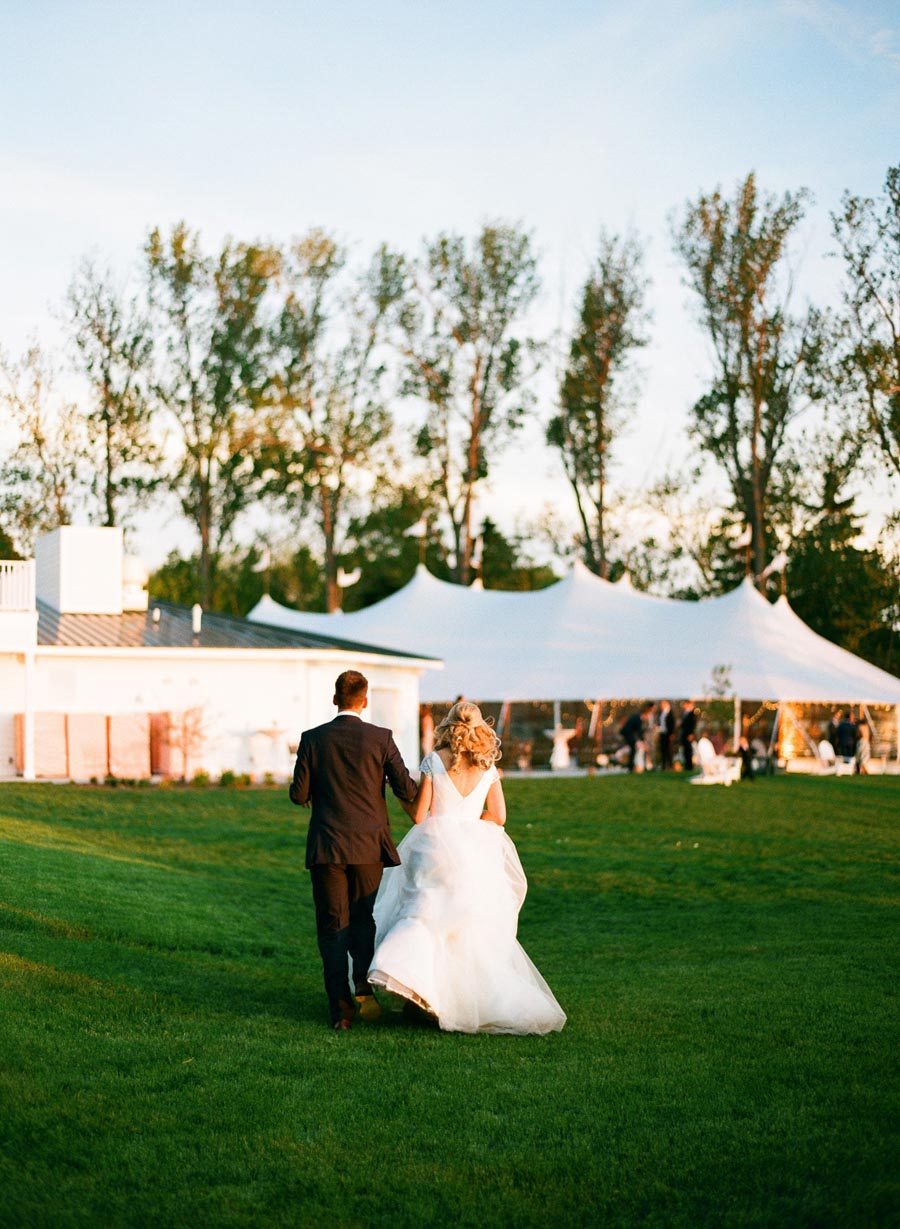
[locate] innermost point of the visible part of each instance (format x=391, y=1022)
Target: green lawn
x=726, y=957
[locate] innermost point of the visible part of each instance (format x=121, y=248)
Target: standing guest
x=832, y=730
x=666, y=734
x=863, y=749
x=342, y=768
x=687, y=733
x=632, y=731
x=745, y=755
x=846, y=736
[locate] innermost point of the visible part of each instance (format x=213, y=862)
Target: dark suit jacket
x=341, y=769
x=688, y=726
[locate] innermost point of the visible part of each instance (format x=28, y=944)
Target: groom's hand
x=409, y=805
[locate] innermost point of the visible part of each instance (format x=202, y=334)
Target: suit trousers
x=344, y=896
x=665, y=751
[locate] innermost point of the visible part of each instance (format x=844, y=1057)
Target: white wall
x=254, y=709
x=12, y=701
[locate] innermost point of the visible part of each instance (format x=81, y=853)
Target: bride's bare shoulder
x=445, y=756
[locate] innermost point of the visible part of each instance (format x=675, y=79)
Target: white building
x=96, y=679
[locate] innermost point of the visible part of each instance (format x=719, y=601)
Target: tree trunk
x=332, y=591
x=204, y=518
x=110, y=509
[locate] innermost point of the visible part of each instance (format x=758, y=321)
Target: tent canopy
x=584, y=637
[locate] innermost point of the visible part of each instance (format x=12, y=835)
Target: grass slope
x=725, y=958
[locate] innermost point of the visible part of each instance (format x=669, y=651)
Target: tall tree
x=597, y=386
x=868, y=233
x=459, y=329
x=735, y=254
x=112, y=344
x=210, y=324
x=329, y=424
x=845, y=590
x=43, y=482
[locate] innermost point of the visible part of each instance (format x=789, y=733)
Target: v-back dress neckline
x=453, y=783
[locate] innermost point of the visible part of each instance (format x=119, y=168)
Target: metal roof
x=135, y=630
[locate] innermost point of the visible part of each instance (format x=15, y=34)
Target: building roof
x=134, y=630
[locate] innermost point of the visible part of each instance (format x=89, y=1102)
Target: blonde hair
x=464, y=732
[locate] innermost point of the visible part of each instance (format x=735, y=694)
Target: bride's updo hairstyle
x=466, y=733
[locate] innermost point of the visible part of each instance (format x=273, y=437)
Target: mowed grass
x=727, y=959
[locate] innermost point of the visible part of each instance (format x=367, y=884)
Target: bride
x=446, y=918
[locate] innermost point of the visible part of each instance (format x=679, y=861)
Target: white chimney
x=79, y=569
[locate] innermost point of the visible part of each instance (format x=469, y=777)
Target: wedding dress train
x=446, y=920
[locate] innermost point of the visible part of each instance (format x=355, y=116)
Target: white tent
x=584, y=637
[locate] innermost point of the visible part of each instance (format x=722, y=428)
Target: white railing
x=17, y=585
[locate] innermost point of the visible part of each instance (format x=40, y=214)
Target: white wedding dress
x=446, y=920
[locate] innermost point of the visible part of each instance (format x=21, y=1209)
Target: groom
x=341, y=769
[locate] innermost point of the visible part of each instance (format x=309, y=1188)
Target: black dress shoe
x=345, y=1016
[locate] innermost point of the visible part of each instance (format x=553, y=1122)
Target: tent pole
x=898, y=733
x=737, y=724
x=775, y=723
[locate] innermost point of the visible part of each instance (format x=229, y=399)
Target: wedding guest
x=632, y=731
x=745, y=754
x=863, y=749
x=846, y=736
x=687, y=733
x=666, y=734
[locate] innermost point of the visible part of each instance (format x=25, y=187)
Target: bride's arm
x=423, y=799
x=495, y=805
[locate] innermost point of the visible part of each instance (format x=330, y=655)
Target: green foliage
x=328, y=425
x=42, y=482
x=868, y=234
x=210, y=328
x=165, y=1057
x=597, y=386
x=113, y=344
x=766, y=362
x=457, y=320
x=293, y=579
x=848, y=593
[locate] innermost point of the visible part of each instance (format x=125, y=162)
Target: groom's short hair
x=350, y=688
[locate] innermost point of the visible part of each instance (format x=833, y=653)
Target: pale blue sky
x=394, y=120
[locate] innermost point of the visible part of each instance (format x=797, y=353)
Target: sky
x=398, y=120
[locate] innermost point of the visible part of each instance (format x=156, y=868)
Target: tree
x=506, y=562
x=211, y=332
x=43, y=482
x=765, y=360
x=379, y=544
x=329, y=425
x=597, y=385
x=113, y=344
x=458, y=324
x=868, y=234
x=294, y=579
x=845, y=591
